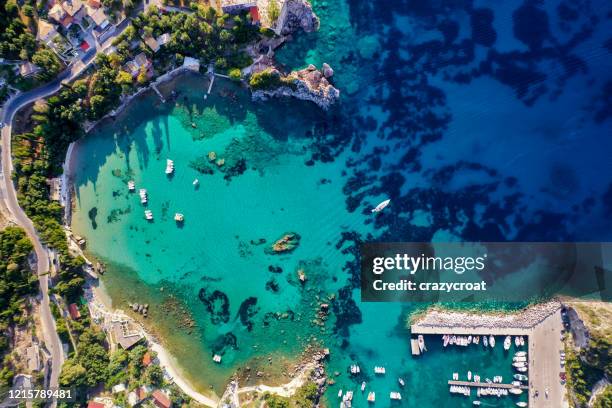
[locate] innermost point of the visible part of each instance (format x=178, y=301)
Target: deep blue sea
x=480, y=120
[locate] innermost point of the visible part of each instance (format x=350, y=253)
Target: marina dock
x=414, y=345
x=484, y=385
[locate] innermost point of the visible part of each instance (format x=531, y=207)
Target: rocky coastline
x=308, y=84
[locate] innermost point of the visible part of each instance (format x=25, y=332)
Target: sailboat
x=381, y=206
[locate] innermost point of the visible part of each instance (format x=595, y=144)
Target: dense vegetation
x=305, y=397
x=587, y=366
x=17, y=282
x=17, y=42
x=604, y=400
x=270, y=79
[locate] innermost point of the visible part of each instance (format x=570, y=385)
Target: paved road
x=544, y=352
x=9, y=195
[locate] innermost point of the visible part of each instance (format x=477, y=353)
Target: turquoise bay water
x=462, y=123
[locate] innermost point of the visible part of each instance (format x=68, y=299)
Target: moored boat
x=421, y=341
x=131, y=185
x=148, y=215
x=507, y=343
x=492, y=341
x=521, y=404
x=394, y=395
x=520, y=353
x=521, y=377
x=515, y=391
x=178, y=217
x=169, y=166
x=371, y=396
x=485, y=342
x=363, y=385
x=381, y=206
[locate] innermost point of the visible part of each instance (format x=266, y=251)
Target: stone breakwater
x=484, y=322
x=310, y=84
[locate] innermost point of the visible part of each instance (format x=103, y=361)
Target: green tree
x=48, y=61
x=235, y=74
x=73, y=374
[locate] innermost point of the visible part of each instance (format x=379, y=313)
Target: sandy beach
x=102, y=312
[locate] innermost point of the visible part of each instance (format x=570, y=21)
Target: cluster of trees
x=586, y=367
x=17, y=282
x=305, y=397
x=269, y=79
x=17, y=42
x=202, y=34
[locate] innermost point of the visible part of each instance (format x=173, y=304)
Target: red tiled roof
x=146, y=359
x=93, y=404
x=161, y=400
x=72, y=308
x=254, y=14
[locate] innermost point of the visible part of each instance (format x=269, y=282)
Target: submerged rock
x=287, y=243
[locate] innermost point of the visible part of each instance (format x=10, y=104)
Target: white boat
x=348, y=396
x=507, y=343
x=520, y=359
x=469, y=376
x=363, y=385
x=520, y=353
x=517, y=341
x=492, y=341
x=519, y=364
x=522, y=340
x=169, y=166
x=521, y=404
x=381, y=206
x=178, y=217
x=148, y=214
x=355, y=369
x=196, y=182
x=455, y=376
x=395, y=395
x=476, y=339
x=521, y=369
x=401, y=382
x=476, y=402
x=421, y=343
x=217, y=358
x=371, y=396
x=339, y=393
x=515, y=391
x=131, y=185
x=521, y=377
x=485, y=342
x=143, y=195
x=379, y=370
x=445, y=340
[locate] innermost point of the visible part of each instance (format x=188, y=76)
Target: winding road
x=9, y=196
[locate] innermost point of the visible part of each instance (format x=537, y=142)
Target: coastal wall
x=437, y=321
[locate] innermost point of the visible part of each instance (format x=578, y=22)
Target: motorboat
x=492, y=341
x=521, y=377
x=363, y=385
x=507, y=343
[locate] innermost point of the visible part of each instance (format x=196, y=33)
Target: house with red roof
x=161, y=400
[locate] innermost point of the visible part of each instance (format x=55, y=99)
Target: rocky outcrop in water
x=287, y=243
x=309, y=84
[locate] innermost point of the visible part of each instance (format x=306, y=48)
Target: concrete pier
x=484, y=385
